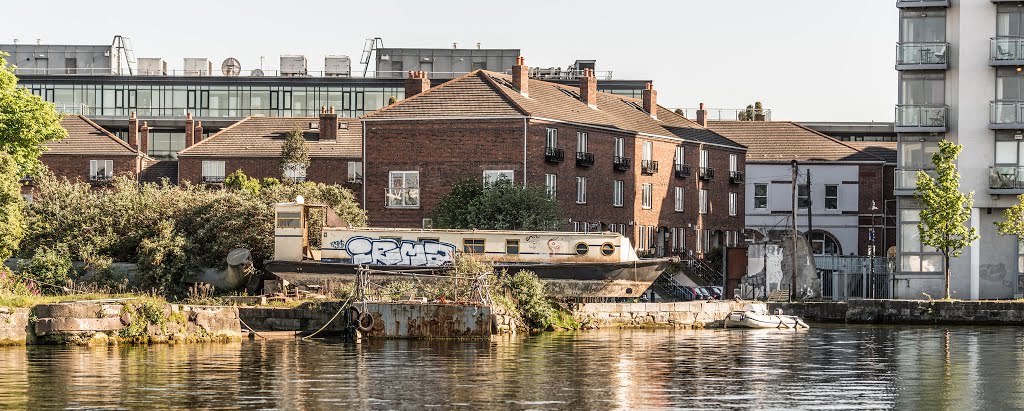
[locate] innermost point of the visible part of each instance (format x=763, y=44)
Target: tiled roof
x=885, y=150
x=783, y=141
x=489, y=94
x=264, y=136
x=85, y=137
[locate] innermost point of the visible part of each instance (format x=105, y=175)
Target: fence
x=854, y=277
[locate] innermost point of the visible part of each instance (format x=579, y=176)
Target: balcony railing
x=1006, y=178
x=921, y=56
x=648, y=167
x=584, y=159
x=621, y=163
x=213, y=179
x=100, y=178
x=907, y=4
x=403, y=197
x=707, y=173
x=1006, y=114
x=921, y=118
x=682, y=170
x=736, y=177
x=906, y=179
x=1006, y=51
x=554, y=155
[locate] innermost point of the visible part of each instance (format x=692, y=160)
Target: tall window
x=552, y=138
x=620, y=147
x=733, y=164
x=733, y=204
x=761, y=196
x=100, y=170
x=919, y=26
x=702, y=197
x=680, y=151
x=213, y=171
x=647, y=152
x=704, y=158
x=551, y=185
x=355, y=171
x=492, y=177
x=679, y=199
x=581, y=142
x=647, y=195
x=1008, y=24
x=403, y=189
x=922, y=88
x=803, y=196
x=581, y=190
x=617, y=193
x=831, y=197
x=295, y=172
x=914, y=256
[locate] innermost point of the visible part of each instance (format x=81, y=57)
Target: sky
x=806, y=60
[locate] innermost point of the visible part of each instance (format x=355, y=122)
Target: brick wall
x=76, y=166
x=875, y=183
x=321, y=170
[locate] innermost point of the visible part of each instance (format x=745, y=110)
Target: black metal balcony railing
x=584, y=159
x=648, y=167
x=924, y=54
x=1006, y=114
x=554, y=155
x=682, y=170
x=707, y=173
x=296, y=179
x=924, y=117
x=100, y=178
x=735, y=177
x=1006, y=50
x=213, y=179
x=1006, y=178
x=621, y=163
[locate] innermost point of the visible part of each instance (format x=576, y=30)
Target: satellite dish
x=257, y=73
x=231, y=67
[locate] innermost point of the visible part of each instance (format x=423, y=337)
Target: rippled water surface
x=828, y=367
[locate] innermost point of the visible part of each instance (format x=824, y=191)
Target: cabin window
x=426, y=239
x=512, y=247
x=289, y=219
x=607, y=249
x=473, y=245
x=392, y=238
x=582, y=248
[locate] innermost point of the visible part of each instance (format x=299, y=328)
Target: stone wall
x=909, y=312
x=390, y=320
x=688, y=314
x=14, y=326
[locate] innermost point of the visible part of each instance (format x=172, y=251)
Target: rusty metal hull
x=574, y=280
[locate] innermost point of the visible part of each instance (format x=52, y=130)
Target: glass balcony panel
x=1006, y=178
x=921, y=53
x=925, y=116
x=1006, y=112
x=906, y=179
x=1007, y=49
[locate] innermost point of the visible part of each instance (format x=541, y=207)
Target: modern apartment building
x=961, y=78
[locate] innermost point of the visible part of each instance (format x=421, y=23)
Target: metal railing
x=402, y=197
x=921, y=115
x=213, y=179
x=1006, y=112
x=735, y=177
x=554, y=155
x=853, y=277
x=906, y=179
x=536, y=72
x=74, y=108
x=728, y=114
x=674, y=288
x=621, y=163
x=682, y=170
x=1006, y=49
x=1006, y=177
x=648, y=166
x=707, y=173
x=921, y=53
x=702, y=273
x=584, y=159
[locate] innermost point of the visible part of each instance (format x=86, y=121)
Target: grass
x=20, y=301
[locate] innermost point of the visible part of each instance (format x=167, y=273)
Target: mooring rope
x=343, y=306
x=250, y=328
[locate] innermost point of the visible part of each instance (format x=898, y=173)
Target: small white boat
x=757, y=316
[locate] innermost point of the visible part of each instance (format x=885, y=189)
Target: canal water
x=834, y=367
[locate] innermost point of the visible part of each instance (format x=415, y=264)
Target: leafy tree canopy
x=26, y=120
x=500, y=206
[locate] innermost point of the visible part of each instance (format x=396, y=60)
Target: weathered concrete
x=14, y=325
x=909, y=312
x=688, y=314
x=390, y=320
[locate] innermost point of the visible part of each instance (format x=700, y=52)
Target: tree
x=12, y=221
x=294, y=155
x=239, y=181
x=392, y=100
x=944, y=209
x=26, y=121
x=502, y=205
x=1013, y=221
x=753, y=112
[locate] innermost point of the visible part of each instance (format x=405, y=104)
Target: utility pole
x=810, y=206
x=792, y=253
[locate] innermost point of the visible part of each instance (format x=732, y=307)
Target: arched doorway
x=824, y=243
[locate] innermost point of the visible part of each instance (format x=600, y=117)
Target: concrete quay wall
x=390, y=320
x=689, y=314
x=908, y=312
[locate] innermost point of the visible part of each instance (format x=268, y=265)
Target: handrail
x=537, y=73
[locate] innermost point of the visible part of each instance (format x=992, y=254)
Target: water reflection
x=826, y=367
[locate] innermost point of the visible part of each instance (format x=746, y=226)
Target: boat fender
x=364, y=322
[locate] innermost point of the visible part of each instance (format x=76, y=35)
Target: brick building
x=614, y=163
x=836, y=209
x=253, y=145
x=91, y=153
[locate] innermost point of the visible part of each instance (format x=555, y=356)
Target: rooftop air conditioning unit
x=337, y=66
x=293, y=66
x=152, y=67
x=198, y=66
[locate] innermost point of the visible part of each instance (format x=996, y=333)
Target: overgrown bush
x=526, y=292
x=502, y=205
x=50, y=266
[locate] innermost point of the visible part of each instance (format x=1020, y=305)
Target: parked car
x=715, y=292
x=700, y=293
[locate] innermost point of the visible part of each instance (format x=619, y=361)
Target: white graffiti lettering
x=387, y=251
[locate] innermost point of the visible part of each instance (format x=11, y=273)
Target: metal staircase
x=668, y=287
x=702, y=273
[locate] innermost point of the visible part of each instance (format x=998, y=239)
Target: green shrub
x=526, y=291
x=50, y=266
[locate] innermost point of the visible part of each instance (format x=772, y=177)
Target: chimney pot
x=702, y=116
x=588, y=88
x=520, y=76
x=416, y=83
x=144, y=138
x=190, y=130
x=650, y=100
x=328, y=125
x=133, y=131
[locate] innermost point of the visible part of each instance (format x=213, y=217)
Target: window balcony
x=584, y=159
x=621, y=163
x=707, y=173
x=100, y=178
x=921, y=118
x=736, y=177
x=213, y=179
x=682, y=170
x=1006, y=51
x=554, y=155
x=649, y=167
x=906, y=180
x=1006, y=180
x=1006, y=115
x=910, y=4
x=922, y=56
x=403, y=197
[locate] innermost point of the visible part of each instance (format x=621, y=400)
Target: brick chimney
x=190, y=130
x=133, y=131
x=197, y=134
x=702, y=116
x=521, y=76
x=650, y=97
x=328, y=124
x=588, y=88
x=416, y=83
x=144, y=138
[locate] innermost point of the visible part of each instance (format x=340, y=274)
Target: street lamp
x=871, y=247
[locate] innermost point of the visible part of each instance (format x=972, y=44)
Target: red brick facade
x=76, y=166
x=321, y=170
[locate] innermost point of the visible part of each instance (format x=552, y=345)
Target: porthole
x=607, y=249
x=582, y=248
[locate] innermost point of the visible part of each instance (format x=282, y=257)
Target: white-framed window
x=702, y=197
x=101, y=170
x=733, y=164
x=581, y=142
x=831, y=197
x=617, y=186
x=679, y=199
x=403, y=189
x=734, y=204
x=355, y=171
x=295, y=172
x=761, y=196
x=914, y=256
x=620, y=147
x=213, y=171
x=704, y=158
x=581, y=190
x=647, y=151
x=640, y=240
x=680, y=155
x=647, y=195
x=803, y=196
x=551, y=184
x=551, y=141
x=492, y=177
